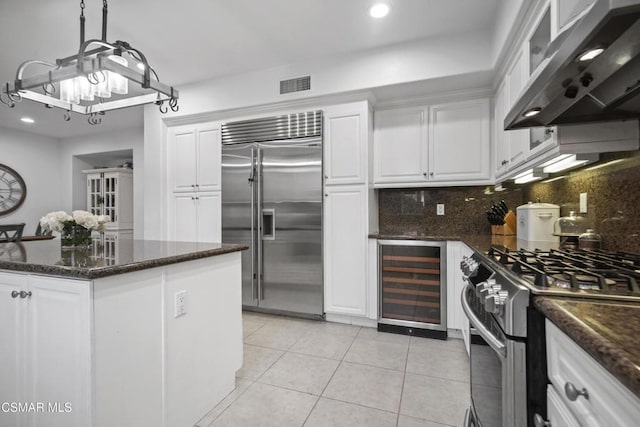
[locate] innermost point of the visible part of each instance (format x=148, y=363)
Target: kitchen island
x=143, y=333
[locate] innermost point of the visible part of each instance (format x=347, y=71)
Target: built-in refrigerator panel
x=239, y=170
x=291, y=224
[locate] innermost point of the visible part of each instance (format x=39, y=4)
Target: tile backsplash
x=613, y=203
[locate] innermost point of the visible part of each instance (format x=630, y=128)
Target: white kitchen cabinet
x=194, y=155
x=501, y=137
x=433, y=145
x=557, y=412
x=565, y=12
x=456, y=319
x=345, y=250
x=195, y=217
x=516, y=79
x=609, y=403
x=110, y=192
x=460, y=141
x=47, y=355
x=346, y=141
x=400, y=150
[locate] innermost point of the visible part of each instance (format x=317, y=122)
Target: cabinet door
x=400, y=146
x=59, y=351
x=459, y=143
x=183, y=218
x=209, y=206
x=345, y=249
x=12, y=365
x=345, y=144
x=516, y=79
x=557, y=412
x=567, y=11
x=181, y=153
x=501, y=140
x=94, y=194
x=208, y=158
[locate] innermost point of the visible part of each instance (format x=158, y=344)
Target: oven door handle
x=493, y=342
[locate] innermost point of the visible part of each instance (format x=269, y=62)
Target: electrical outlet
x=583, y=202
x=440, y=209
x=180, y=304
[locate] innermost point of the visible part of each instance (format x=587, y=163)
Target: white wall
x=37, y=159
x=100, y=143
x=330, y=77
x=509, y=12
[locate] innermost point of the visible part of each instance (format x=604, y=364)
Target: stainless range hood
x=605, y=88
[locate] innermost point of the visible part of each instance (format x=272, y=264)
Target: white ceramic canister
x=536, y=220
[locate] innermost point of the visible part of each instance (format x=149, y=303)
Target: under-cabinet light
x=529, y=176
x=568, y=161
x=27, y=120
x=379, y=10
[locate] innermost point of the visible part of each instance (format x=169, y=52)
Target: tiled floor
x=306, y=373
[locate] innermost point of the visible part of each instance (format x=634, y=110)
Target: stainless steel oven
x=498, y=375
x=498, y=348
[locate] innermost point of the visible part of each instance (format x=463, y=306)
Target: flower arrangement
x=75, y=229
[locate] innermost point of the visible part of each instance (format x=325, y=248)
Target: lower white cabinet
x=46, y=351
x=195, y=217
x=345, y=250
x=600, y=399
x=456, y=319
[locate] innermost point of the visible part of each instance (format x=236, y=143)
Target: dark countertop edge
x=100, y=272
x=417, y=237
x=609, y=355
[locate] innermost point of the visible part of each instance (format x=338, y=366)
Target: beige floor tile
x=256, y=361
x=250, y=326
x=241, y=386
x=435, y=345
x=366, y=385
x=323, y=344
x=300, y=372
x=405, y=421
x=277, y=335
x=435, y=399
x=373, y=334
x=391, y=355
x=451, y=365
x=332, y=413
x=335, y=328
x=263, y=405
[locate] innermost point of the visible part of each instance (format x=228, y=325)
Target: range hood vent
x=298, y=84
x=606, y=88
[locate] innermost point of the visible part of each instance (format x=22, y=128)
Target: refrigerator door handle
x=254, y=286
x=268, y=224
x=260, y=223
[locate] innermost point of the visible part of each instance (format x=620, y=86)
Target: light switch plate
x=583, y=202
x=440, y=209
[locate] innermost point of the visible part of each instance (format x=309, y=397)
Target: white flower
x=55, y=221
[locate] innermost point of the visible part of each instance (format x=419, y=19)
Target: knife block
x=508, y=228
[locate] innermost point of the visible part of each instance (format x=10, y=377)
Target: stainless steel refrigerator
x=272, y=202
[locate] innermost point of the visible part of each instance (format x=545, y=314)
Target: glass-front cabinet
x=110, y=192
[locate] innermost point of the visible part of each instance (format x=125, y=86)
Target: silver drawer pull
x=24, y=294
x=573, y=393
x=14, y=294
x=538, y=421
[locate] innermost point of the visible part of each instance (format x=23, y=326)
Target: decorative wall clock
x=13, y=190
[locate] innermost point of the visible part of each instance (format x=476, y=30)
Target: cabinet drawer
x=557, y=412
x=609, y=403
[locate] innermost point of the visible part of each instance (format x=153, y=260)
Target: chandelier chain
x=82, y=7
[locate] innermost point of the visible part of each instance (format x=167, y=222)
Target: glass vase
x=74, y=235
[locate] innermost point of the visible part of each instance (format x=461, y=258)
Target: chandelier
x=93, y=81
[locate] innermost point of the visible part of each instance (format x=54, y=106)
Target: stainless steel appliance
x=570, y=90
x=412, y=286
x=272, y=202
x=508, y=363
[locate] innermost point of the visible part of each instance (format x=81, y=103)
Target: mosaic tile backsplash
x=613, y=201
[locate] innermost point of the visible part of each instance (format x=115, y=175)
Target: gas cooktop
x=573, y=272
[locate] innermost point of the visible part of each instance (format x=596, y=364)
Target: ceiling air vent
x=295, y=85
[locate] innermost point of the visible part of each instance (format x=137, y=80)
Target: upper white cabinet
x=346, y=136
x=194, y=156
x=501, y=138
x=400, y=149
x=110, y=192
x=459, y=147
x=433, y=145
x=565, y=12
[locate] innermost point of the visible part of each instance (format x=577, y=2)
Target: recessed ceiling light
x=27, y=120
x=590, y=54
x=379, y=10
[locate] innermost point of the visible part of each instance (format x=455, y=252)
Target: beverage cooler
x=412, y=287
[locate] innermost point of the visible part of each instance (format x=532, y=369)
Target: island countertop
x=96, y=261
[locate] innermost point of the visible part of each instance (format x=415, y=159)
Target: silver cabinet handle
x=14, y=294
x=573, y=393
x=24, y=294
x=326, y=177
x=431, y=174
x=538, y=421
x=424, y=174
x=326, y=194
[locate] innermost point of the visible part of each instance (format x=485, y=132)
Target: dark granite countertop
x=47, y=257
x=607, y=330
